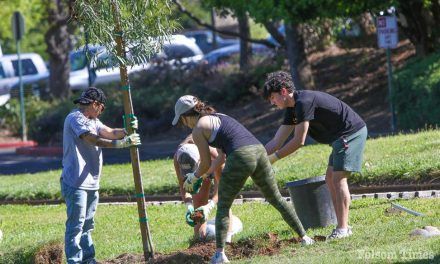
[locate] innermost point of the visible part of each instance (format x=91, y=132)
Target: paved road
x=11, y=163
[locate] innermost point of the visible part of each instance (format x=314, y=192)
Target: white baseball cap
x=183, y=104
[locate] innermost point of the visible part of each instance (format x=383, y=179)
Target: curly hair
x=275, y=81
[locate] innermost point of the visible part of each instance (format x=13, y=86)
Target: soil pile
x=269, y=245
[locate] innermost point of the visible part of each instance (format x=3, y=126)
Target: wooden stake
x=134, y=154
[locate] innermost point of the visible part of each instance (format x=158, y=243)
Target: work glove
x=133, y=124
x=192, y=183
x=189, y=212
x=128, y=141
x=206, y=209
x=273, y=158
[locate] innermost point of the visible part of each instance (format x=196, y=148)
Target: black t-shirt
x=329, y=118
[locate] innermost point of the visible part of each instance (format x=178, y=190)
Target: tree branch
x=272, y=28
x=182, y=9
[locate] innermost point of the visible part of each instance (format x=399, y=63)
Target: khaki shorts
x=347, y=152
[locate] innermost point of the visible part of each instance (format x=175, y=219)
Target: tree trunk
x=435, y=9
x=418, y=27
x=300, y=68
x=245, y=46
x=58, y=47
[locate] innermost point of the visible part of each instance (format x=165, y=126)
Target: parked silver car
x=178, y=50
x=205, y=40
x=223, y=55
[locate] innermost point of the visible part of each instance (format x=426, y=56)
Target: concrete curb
x=18, y=144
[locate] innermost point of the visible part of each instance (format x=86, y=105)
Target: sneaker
x=229, y=237
x=340, y=233
x=219, y=258
x=307, y=241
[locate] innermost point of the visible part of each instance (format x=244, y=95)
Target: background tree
x=420, y=22
x=58, y=40
x=35, y=25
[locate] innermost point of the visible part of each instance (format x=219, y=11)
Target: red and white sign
x=387, y=36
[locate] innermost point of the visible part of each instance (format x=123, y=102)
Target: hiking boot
x=340, y=233
x=307, y=241
x=219, y=258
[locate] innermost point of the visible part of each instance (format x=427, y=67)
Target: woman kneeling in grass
x=243, y=156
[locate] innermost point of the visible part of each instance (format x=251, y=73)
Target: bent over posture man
x=83, y=137
x=327, y=120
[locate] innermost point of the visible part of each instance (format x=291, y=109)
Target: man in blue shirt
x=83, y=137
x=327, y=120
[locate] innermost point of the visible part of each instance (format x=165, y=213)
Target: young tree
x=137, y=27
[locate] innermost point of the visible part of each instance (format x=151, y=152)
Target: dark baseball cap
x=91, y=94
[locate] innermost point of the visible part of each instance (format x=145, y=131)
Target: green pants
x=240, y=164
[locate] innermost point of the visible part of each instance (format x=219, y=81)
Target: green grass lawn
x=376, y=236
x=405, y=158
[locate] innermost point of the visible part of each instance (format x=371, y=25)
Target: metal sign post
x=18, y=31
x=387, y=38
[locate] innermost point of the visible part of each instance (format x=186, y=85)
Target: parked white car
x=33, y=70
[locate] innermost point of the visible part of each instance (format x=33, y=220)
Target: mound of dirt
x=49, y=254
x=202, y=252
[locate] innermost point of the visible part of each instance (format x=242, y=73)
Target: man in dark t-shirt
x=327, y=120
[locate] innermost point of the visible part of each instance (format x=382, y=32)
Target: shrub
x=47, y=127
x=34, y=108
x=417, y=93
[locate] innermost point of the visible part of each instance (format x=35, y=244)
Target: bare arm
x=217, y=175
x=278, y=140
x=297, y=141
x=215, y=191
x=186, y=197
x=95, y=140
x=111, y=133
x=218, y=161
x=200, y=134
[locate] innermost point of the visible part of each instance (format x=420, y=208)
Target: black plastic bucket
x=312, y=201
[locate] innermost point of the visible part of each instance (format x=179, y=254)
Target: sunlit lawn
x=411, y=157
x=117, y=232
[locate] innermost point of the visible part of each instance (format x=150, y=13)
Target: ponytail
x=200, y=109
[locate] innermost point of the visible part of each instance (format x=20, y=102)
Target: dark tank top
x=232, y=135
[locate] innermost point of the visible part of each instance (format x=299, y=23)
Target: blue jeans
x=81, y=207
